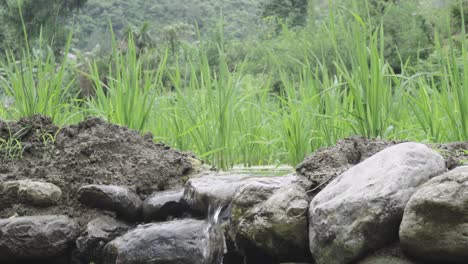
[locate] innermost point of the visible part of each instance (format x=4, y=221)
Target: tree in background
x=408, y=34
x=47, y=16
x=459, y=10
x=290, y=12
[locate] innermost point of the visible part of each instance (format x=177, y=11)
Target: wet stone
x=177, y=242
x=218, y=189
x=98, y=233
x=276, y=228
x=161, y=206
x=36, y=237
x=114, y=198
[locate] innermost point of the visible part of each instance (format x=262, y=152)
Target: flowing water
x=213, y=232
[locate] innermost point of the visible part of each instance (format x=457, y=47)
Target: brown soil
x=92, y=152
x=326, y=163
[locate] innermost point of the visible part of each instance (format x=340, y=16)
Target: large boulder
x=360, y=211
x=217, y=189
x=36, y=237
x=175, y=242
x=276, y=228
x=35, y=193
x=114, y=198
x=327, y=163
x=161, y=206
x=435, y=222
x=98, y=233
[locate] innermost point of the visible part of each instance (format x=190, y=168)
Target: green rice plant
x=37, y=85
x=127, y=96
x=37, y=82
x=454, y=91
x=207, y=104
x=10, y=147
x=369, y=83
x=425, y=105
x=440, y=101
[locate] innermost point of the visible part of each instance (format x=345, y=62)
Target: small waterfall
x=213, y=232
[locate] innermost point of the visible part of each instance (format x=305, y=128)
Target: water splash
x=212, y=231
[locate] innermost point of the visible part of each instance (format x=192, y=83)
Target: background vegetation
x=252, y=82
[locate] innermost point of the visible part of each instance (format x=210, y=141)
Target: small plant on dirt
x=11, y=147
x=464, y=161
x=48, y=138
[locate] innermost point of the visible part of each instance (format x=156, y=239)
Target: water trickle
x=213, y=232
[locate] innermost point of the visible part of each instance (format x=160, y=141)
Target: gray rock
x=119, y=199
x=327, y=163
x=36, y=237
x=252, y=194
x=277, y=227
x=98, y=233
x=162, y=205
x=435, y=222
x=217, y=189
x=29, y=192
x=176, y=242
x=360, y=211
x=391, y=254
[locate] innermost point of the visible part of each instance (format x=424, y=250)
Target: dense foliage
x=251, y=82
x=39, y=16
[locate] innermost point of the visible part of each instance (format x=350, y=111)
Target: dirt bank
x=91, y=152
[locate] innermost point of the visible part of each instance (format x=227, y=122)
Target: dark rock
x=435, y=222
x=119, y=199
x=161, y=206
x=176, y=242
x=98, y=233
x=360, y=211
x=36, y=237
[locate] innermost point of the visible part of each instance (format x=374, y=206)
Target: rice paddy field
x=199, y=100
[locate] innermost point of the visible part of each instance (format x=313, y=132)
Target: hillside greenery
x=251, y=82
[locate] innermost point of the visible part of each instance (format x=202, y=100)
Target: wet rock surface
x=98, y=233
x=165, y=205
x=275, y=228
x=114, y=198
x=218, y=189
x=360, y=211
x=36, y=237
x=175, y=242
x=435, y=222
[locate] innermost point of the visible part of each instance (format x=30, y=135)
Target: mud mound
x=455, y=153
x=92, y=152
x=326, y=163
